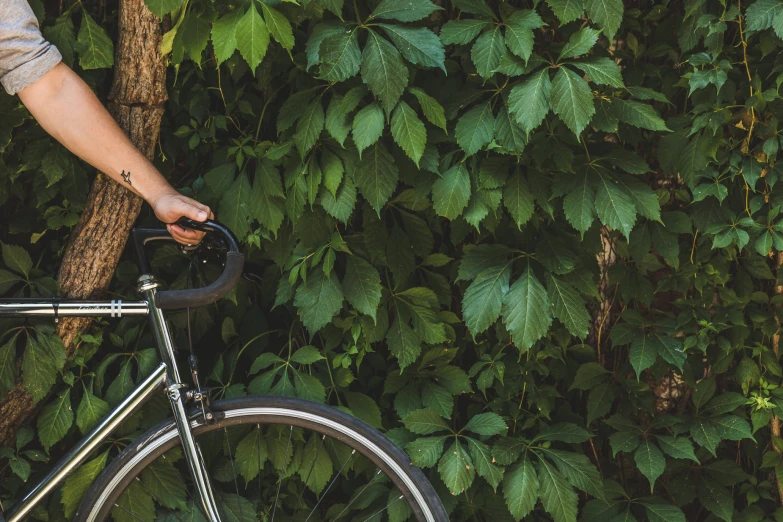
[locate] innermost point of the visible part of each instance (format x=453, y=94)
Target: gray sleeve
x=25, y=56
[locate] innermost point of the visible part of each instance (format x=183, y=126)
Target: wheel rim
x=389, y=472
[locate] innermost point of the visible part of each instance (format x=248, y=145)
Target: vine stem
x=747, y=71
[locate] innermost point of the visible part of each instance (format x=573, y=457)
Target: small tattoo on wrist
x=126, y=177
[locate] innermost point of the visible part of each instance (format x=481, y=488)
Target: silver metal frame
x=165, y=378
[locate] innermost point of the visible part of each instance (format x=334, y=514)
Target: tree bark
x=136, y=101
x=774, y=423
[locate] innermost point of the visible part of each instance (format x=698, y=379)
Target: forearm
x=68, y=110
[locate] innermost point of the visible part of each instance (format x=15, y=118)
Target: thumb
x=185, y=208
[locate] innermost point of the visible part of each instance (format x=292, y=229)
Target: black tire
x=376, y=447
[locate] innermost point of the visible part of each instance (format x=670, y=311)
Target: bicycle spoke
x=233, y=471
x=330, y=485
x=377, y=474
x=282, y=471
x=312, y=466
x=258, y=452
x=390, y=504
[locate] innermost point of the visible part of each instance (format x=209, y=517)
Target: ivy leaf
x=79, y=481
x=161, y=8
x=485, y=467
x=8, y=369
x=280, y=29
x=659, y=511
x=518, y=199
x=519, y=32
x=91, y=410
x=166, y=484
x=318, y=300
x=557, y=496
x=341, y=205
x=608, y=14
x=642, y=354
x=235, y=206
x=614, y=207
x=528, y=102
x=135, y=503
x=520, y=489
x=572, y=100
x=567, y=10
x=568, y=306
x=404, y=343
x=266, y=197
x=55, y=420
x=475, y=128
x=601, y=70
x=432, y=110
x=638, y=114
x=362, y=285
x=579, y=205
x=716, y=498
x=486, y=424
x=408, y=131
x=95, y=48
x=527, y=312
x=377, y=175
x=451, y=193
x=310, y=125
x=404, y=11
x=488, y=51
x=476, y=7
x=340, y=56
x=383, y=70
x=578, y=470
x=319, y=34
x=599, y=401
x=43, y=359
x=650, y=461
x=764, y=14
x=704, y=434
x=367, y=126
x=483, y=298
x=419, y=45
x=456, y=469
x=425, y=451
x=425, y=422
x=252, y=37
x=224, y=39
x=462, y=31
x=579, y=43
x=677, y=447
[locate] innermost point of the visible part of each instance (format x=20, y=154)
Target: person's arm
x=68, y=110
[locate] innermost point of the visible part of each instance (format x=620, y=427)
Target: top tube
x=71, y=308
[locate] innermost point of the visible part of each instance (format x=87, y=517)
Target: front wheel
x=269, y=458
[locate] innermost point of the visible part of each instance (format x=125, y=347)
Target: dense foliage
x=534, y=241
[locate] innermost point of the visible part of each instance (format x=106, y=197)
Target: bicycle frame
x=165, y=378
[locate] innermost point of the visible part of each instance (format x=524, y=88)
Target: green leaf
x=579, y=43
x=601, y=70
x=425, y=451
x=404, y=10
x=364, y=408
x=485, y=466
x=642, y=354
x=483, y=298
x=432, y=110
x=660, y=511
x=419, y=45
x=528, y=102
x=161, y=8
x=368, y=126
x=43, y=359
x=557, y=496
x=340, y=56
x=487, y=51
x=578, y=470
x=425, y=422
x=404, y=343
x=520, y=489
x=716, y=498
x=572, y=100
x=165, y=482
x=588, y=376
x=518, y=199
x=8, y=369
x=235, y=206
x=480, y=257
x=599, y=401
x=62, y=36
x=731, y=427
x=79, y=481
x=579, y=204
x=568, y=306
x=342, y=204
x=461, y=31
x=91, y=410
x=519, y=32
x=527, y=312
x=486, y=424
x=17, y=259
x=638, y=114
x=55, y=420
x=624, y=441
x=252, y=37
x=476, y=7
x=377, y=175
x=362, y=286
x=318, y=300
x=135, y=503
x=224, y=38
x=567, y=10
x=608, y=14
x=456, y=469
x=475, y=128
x=280, y=29
x=408, y=131
x=95, y=48
x=564, y=432
x=764, y=14
x=383, y=70
x=650, y=461
x=704, y=434
x=615, y=209
x=677, y=447
x=266, y=197
x=310, y=125
x=451, y=193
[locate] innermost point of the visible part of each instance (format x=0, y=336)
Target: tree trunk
x=774, y=423
x=136, y=101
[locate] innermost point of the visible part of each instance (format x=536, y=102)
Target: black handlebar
x=177, y=299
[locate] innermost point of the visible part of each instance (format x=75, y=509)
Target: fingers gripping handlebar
x=175, y=299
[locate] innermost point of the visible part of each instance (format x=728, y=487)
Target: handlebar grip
x=235, y=260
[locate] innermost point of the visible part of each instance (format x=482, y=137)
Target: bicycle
x=274, y=430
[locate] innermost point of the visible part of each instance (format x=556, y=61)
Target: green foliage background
x=534, y=241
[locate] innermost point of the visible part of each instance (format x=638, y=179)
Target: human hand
x=170, y=207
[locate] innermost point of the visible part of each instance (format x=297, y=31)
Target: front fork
x=174, y=390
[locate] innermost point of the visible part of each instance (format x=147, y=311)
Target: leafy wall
x=537, y=242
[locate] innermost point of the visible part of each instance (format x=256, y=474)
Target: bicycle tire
x=354, y=433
